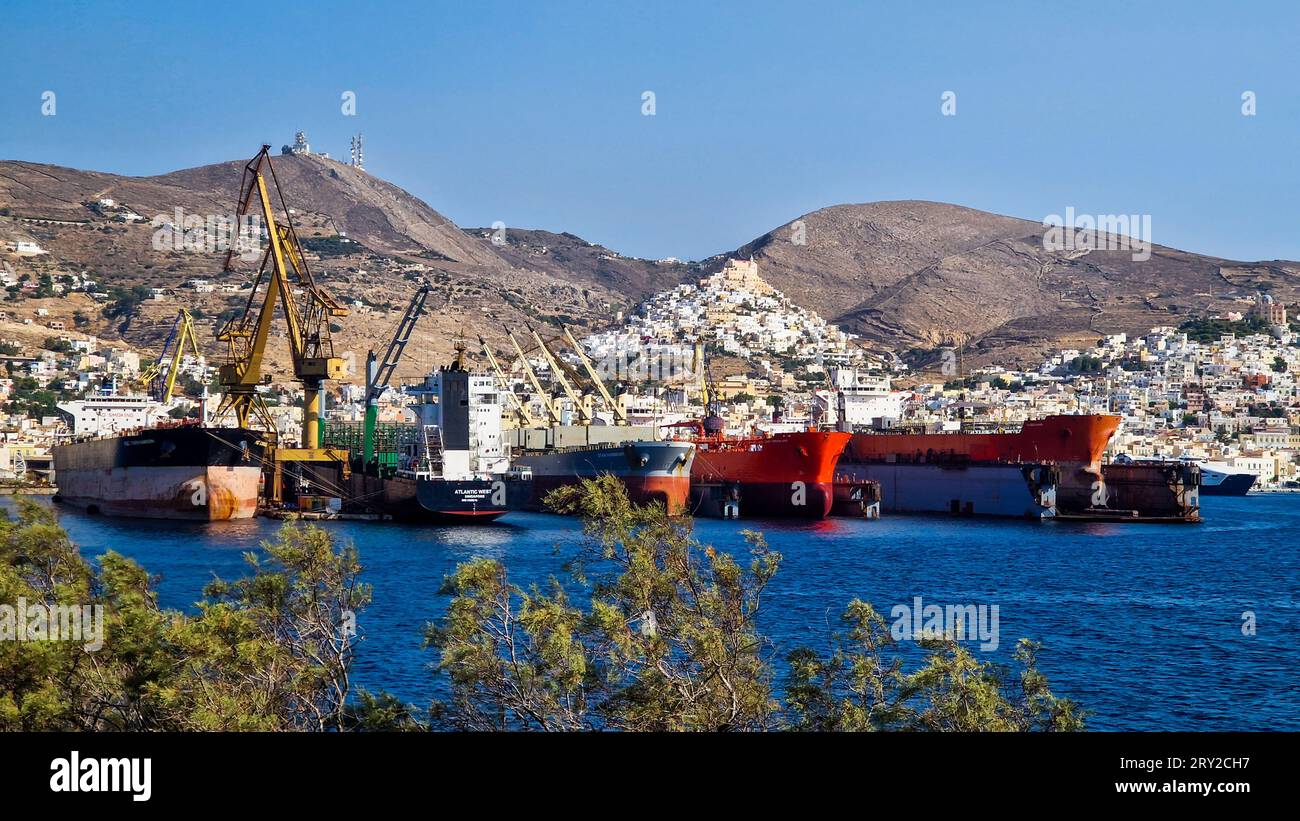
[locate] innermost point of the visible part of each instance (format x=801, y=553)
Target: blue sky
x=531, y=113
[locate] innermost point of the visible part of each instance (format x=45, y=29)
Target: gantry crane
x=182, y=332
x=620, y=418
x=551, y=412
x=283, y=268
x=521, y=410
x=379, y=374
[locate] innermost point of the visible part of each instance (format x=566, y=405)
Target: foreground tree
x=669, y=641
x=267, y=652
x=857, y=689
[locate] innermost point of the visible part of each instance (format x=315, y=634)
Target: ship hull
x=1025, y=491
x=787, y=475
x=763, y=500
x=187, y=472
x=471, y=501
x=1062, y=439
x=436, y=501
x=652, y=472
x=1235, y=484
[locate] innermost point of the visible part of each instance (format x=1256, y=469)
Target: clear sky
x=531, y=113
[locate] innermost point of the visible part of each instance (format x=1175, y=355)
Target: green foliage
x=1085, y=364
x=669, y=641
x=857, y=689
x=30, y=399
x=267, y=652
x=1210, y=330
x=124, y=301
x=54, y=343
x=333, y=246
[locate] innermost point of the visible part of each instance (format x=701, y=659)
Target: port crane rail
x=182, y=332
x=283, y=267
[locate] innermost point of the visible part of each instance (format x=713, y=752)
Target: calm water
x=1141, y=623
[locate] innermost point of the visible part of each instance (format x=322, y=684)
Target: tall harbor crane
x=620, y=418
x=283, y=269
x=182, y=332
x=379, y=374
x=521, y=410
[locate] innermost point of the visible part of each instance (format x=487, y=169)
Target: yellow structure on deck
x=283, y=268
x=182, y=332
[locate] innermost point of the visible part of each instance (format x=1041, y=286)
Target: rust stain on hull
x=212, y=493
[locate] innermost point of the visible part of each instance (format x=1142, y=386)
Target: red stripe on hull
x=1080, y=439
x=672, y=492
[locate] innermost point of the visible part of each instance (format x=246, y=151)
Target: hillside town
x=1219, y=390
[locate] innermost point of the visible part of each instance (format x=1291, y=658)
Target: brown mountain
x=905, y=275
x=394, y=238
x=573, y=258
x=912, y=274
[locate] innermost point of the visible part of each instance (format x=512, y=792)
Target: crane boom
x=310, y=345
x=521, y=411
x=186, y=331
x=378, y=374
x=535, y=382
x=182, y=332
x=283, y=267
x=610, y=405
x=559, y=376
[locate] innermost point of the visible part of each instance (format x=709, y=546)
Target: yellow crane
x=521, y=410
x=584, y=413
x=543, y=394
x=283, y=268
x=181, y=333
x=620, y=418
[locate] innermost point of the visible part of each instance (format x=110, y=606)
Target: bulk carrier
x=182, y=471
x=564, y=455
x=1030, y=473
x=451, y=466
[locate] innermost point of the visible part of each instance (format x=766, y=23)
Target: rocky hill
x=369, y=242
x=914, y=275
x=906, y=275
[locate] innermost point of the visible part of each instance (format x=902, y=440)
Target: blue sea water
x=1142, y=624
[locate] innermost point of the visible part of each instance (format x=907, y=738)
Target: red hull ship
x=1061, y=439
x=787, y=475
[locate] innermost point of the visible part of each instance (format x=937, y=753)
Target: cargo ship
x=182, y=471
x=766, y=475
x=452, y=465
x=1006, y=473
x=1047, y=466
x=651, y=471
